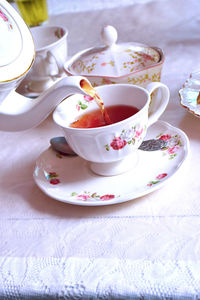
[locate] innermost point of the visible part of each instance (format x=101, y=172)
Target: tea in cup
x=111, y=149
x=51, y=54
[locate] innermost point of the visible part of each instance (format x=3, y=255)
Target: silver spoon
x=60, y=145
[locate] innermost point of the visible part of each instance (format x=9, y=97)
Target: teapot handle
x=158, y=103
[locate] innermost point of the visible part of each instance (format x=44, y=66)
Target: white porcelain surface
x=147, y=248
x=10, y=35
x=16, y=44
x=33, y=89
x=117, y=141
x=17, y=49
x=18, y=113
x=68, y=179
x=189, y=94
x=114, y=60
x=51, y=54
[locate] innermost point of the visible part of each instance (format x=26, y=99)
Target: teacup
x=112, y=149
x=51, y=54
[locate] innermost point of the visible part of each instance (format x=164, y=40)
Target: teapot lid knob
x=109, y=35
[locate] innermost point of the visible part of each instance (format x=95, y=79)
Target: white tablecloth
x=147, y=248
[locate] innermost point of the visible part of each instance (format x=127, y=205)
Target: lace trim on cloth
x=80, y=278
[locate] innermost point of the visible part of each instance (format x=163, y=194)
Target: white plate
x=68, y=178
x=190, y=92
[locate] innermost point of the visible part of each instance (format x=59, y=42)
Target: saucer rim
x=126, y=197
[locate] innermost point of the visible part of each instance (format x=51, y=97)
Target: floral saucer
x=69, y=179
x=190, y=94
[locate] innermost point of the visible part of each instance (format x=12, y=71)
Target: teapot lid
x=113, y=60
x=16, y=44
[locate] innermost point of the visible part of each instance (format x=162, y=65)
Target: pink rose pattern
x=157, y=179
x=165, y=137
x=173, y=144
x=87, y=196
x=59, y=33
x=84, y=104
x=161, y=176
x=88, y=98
x=52, y=178
x=5, y=18
x=127, y=137
x=118, y=143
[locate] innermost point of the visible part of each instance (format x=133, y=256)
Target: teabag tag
x=153, y=145
x=60, y=145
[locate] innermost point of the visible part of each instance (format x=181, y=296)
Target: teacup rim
x=55, y=113
x=54, y=43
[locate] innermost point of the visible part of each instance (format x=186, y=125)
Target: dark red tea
x=95, y=118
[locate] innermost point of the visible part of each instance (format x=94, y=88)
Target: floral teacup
x=111, y=149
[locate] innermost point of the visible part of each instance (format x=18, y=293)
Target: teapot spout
x=18, y=113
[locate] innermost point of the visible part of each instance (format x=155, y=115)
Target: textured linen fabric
x=148, y=248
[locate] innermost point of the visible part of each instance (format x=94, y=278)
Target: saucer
x=69, y=179
x=190, y=93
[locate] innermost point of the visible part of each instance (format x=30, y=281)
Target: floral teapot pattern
x=132, y=63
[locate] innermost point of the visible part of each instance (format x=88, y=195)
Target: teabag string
x=91, y=91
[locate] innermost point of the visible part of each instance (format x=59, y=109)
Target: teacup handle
x=157, y=105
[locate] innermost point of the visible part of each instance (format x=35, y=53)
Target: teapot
x=17, y=54
x=17, y=112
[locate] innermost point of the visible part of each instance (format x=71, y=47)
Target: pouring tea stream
x=87, y=87
x=19, y=113
x=109, y=150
